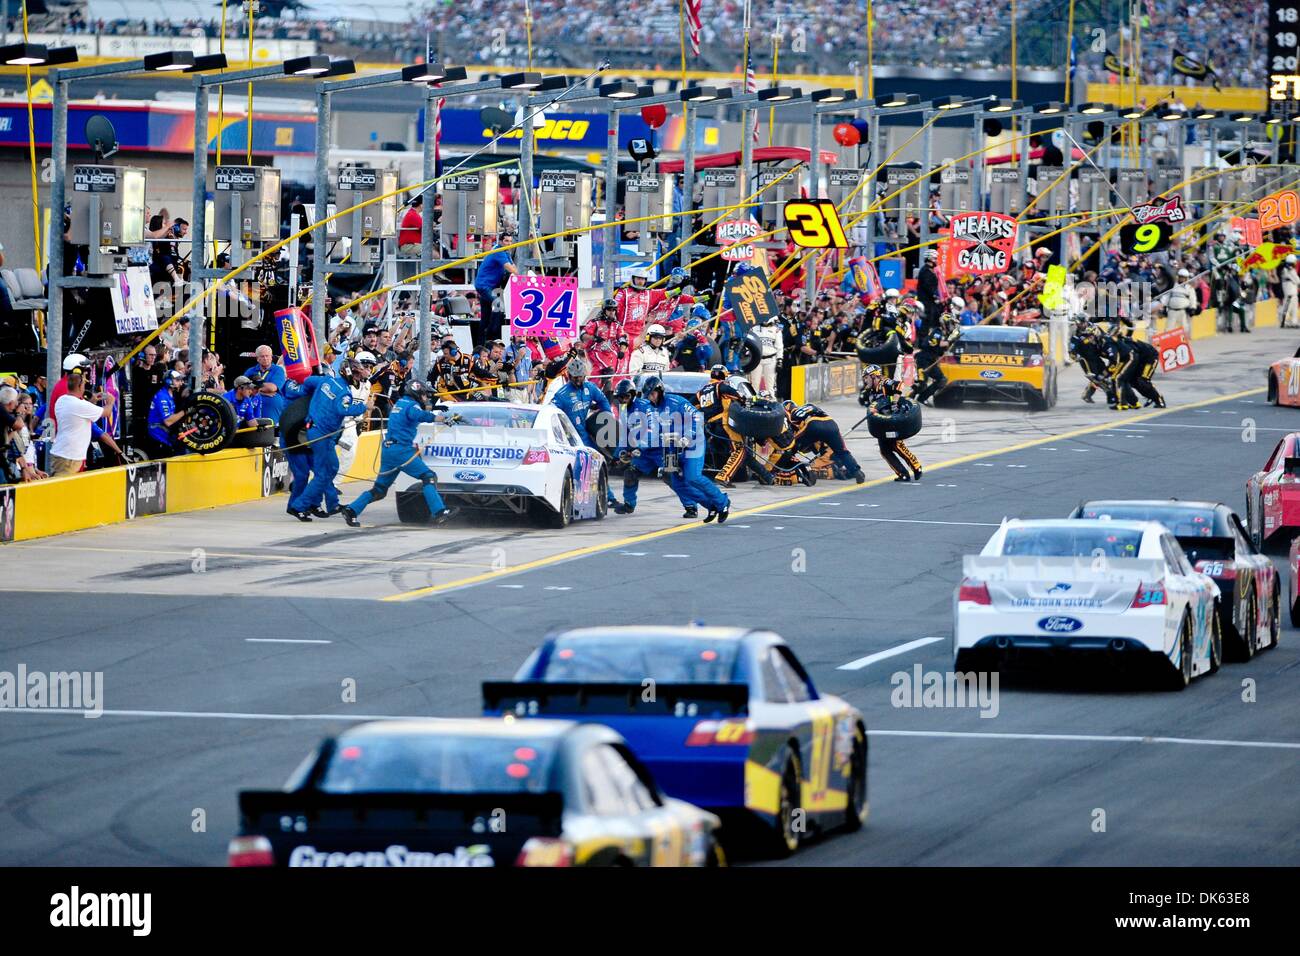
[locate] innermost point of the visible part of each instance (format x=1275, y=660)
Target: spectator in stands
x=213, y=373
x=271, y=379
x=73, y=416
x=248, y=404
x=19, y=452
x=146, y=379
x=163, y=414
x=409, y=235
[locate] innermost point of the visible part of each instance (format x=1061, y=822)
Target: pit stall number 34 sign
x=543, y=306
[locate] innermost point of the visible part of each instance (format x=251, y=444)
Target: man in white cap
x=76, y=362
x=1182, y=302
x=1288, y=313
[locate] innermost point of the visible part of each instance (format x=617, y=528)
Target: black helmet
x=718, y=372
x=413, y=388
x=650, y=385
x=789, y=406
x=608, y=304
x=624, y=391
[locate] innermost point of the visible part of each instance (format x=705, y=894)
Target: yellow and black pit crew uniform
x=928, y=370
x=450, y=376
x=715, y=400
x=1137, y=363
x=816, y=431
x=901, y=460
x=488, y=376
x=1088, y=349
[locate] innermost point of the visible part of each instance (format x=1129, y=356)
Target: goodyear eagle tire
x=208, y=425
x=261, y=436
x=293, y=421
x=751, y=352
x=784, y=834
x=760, y=420
x=880, y=354
x=901, y=425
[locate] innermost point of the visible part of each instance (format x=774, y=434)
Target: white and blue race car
x=1122, y=591
x=511, y=457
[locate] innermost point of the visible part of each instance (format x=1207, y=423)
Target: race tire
x=1178, y=676
x=760, y=420
x=1275, y=616
x=900, y=425
x=880, y=354
x=1248, y=636
x=1216, y=641
x=1295, y=610
x=783, y=838
x=602, y=494
x=208, y=425
x=1272, y=389
x=412, y=508
x=602, y=426
x=263, y=436
x=751, y=353
x=855, y=813
x=1038, y=402
x=947, y=398
x=561, y=519
x=293, y=421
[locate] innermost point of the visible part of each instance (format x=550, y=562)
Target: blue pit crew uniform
x=399, y=456
x=330, y=404
x=161, y=408
x=299, y=459
x=246, y=409
x=648, y=428
x=576, y=404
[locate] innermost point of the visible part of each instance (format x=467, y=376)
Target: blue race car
x=725, y=718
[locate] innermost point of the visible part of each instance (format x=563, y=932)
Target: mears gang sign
x=982, y=242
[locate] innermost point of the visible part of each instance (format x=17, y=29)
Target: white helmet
x=364, y=358
x=931, y=255
x=75, y=360
x=1184, y=274
x=656, y=329
x=641, y=273
x=957, y=302
x=1291, y=260
x=891, y=293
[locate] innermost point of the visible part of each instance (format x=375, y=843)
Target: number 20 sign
x=1174, y=348
x=543, y=305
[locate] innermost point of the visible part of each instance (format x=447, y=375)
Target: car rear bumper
x=1088, y=631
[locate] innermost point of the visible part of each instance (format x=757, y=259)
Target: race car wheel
x=751, y=352
x=1038, y=402
x=602, y=429
x=762, y=419
x=947, y=398
x=208, y=424
x=1249, y=635
x=561, y=518
x=1216, y=641
x=1180, y=674
x=602, y=495
x=293, y=421
x=855, y=814
x=901, y=425
x=1275, y=615
x=259, y=435
x=1295, y=610
x=785, y=830
x=1272, y=389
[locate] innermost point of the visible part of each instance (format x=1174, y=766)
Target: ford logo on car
x=990, y=373
x=1059, y=624
x=470, y=476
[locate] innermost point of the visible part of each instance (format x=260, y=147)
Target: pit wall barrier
x=186, y=483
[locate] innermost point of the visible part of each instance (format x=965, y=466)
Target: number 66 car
x=1122, y=592
x=513, y=458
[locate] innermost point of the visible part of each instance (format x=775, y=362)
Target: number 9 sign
x=1135, y=239
x=543, y=306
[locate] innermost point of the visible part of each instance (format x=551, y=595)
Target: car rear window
x=487, y=415
x=1184, y=522
x=427, y=763
x=685, y=660
x=1082, y=542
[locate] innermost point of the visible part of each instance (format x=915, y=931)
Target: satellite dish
x=101, y=137
x=495, y=119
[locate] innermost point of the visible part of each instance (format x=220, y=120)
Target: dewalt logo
x=992, y=360
x=553, y=129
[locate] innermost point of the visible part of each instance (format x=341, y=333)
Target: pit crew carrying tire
x=900, y=426
x=760, y=420
x=602, y=429
x=293, y=422
x=259, y=435
x=886, y=354
x=208, y=426
x=751, y=352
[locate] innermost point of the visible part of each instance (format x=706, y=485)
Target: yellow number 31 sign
x=814, y=224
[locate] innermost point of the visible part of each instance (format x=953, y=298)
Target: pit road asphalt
x=200, y=705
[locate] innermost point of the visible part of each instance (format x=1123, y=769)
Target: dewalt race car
x=998, y=363
x=726, y=718
x=472, y=793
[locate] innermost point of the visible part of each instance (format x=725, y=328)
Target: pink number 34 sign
x=543, y=305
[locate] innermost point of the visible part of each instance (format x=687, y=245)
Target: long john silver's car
x=472, y=793
x=1124, y=589
x=505, y=456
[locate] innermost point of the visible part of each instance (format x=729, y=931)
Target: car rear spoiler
x=1038, y=568
x=641, y=698
x=263, y=809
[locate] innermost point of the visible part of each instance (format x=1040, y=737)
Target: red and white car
x=1284, y=381
x=1273, y=493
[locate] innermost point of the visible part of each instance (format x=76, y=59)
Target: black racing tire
x=1295, y=610
x=1272, y=389
x=751, y=352
x=1216, y=640
x=208, y=425
x=880, y=354
x=900, y=425
x=562, y=518
x=1038, y=402
x=412, y=508
x=784, y=833
x=1178, y=676
x=263, y=436
x=602, y=494
x=855, y=812
x=948, y=398
x=1248, y=636
x=602, y=429
x=293, y=421
x=1274, y=616
x=760, y=420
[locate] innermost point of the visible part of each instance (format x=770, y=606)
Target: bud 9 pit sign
x=981, y=243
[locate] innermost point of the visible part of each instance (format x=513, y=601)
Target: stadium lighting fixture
x=172, y=61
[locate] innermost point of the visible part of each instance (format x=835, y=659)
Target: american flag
x=751, y=85
x=693, y=23
x=437, y=132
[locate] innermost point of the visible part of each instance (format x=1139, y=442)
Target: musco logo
x=479, y=854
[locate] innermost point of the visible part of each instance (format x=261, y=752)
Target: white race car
x=1123, y=589
x=503, y=456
